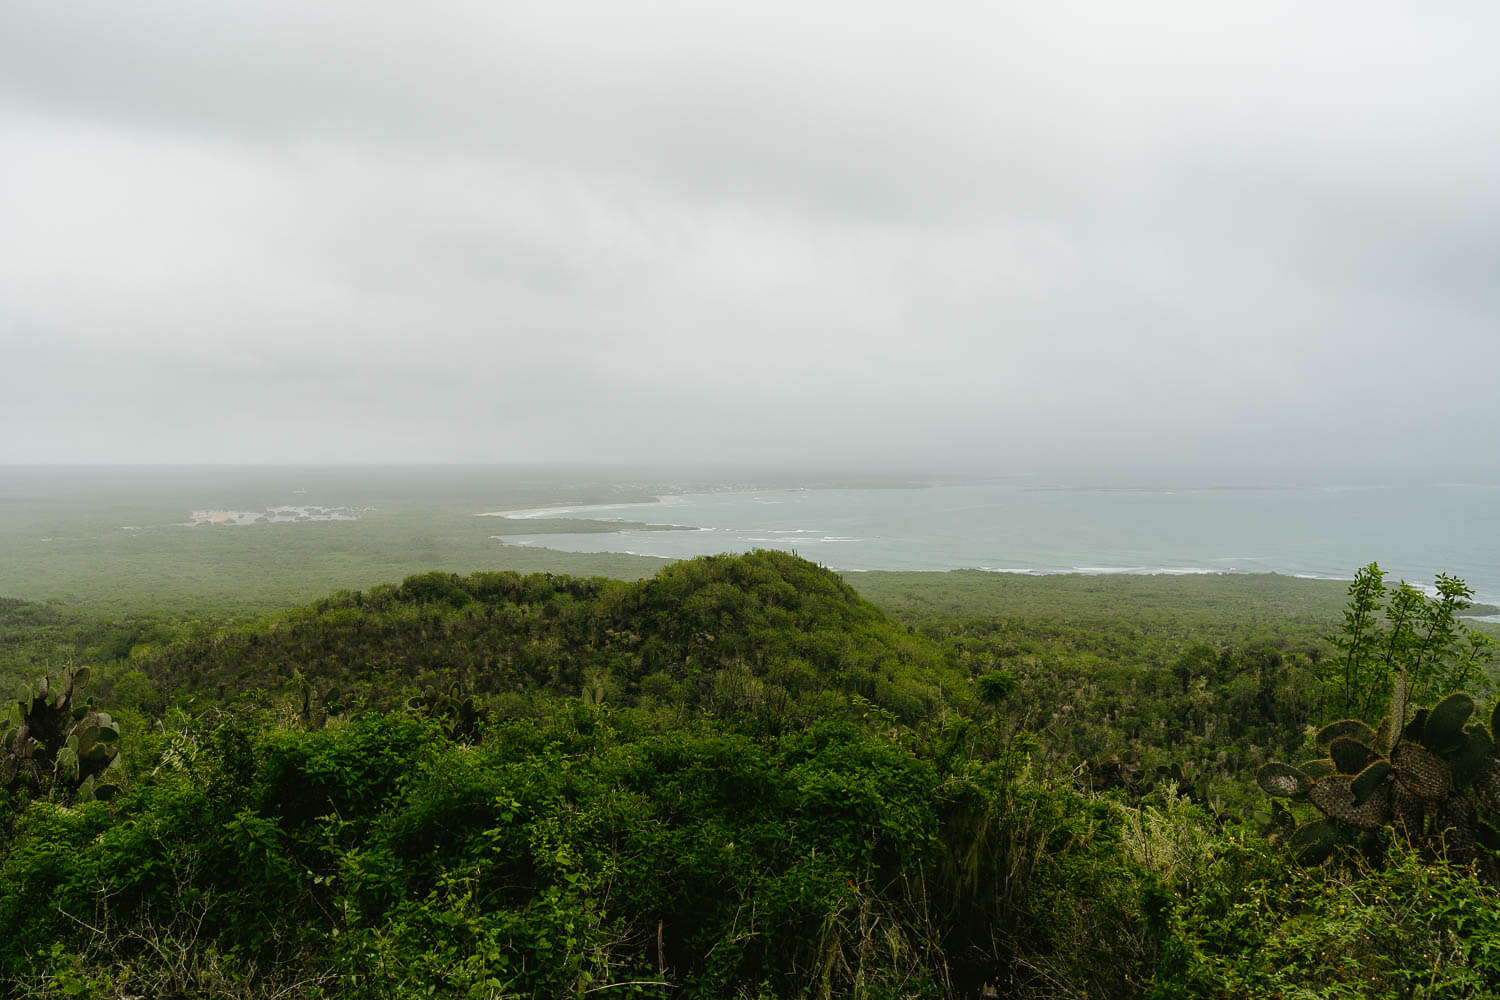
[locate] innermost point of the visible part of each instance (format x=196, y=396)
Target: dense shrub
x=737, y=779
x=377, y=858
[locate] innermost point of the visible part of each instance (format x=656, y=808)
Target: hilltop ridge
x=766, y=634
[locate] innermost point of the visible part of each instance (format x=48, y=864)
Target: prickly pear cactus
x=58, y=746
x=1421, y=778
x=460, y=713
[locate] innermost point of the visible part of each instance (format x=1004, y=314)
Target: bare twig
x=633, y=982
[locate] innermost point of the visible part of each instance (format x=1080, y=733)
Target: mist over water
x=847, y=521
x=1414, y=532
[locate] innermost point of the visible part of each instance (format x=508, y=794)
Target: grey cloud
x=983, y=235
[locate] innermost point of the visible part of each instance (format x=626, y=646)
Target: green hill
x=765, y=635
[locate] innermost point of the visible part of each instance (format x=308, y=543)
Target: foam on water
x=1314, y=532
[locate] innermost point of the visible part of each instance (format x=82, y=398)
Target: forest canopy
x=735, y=778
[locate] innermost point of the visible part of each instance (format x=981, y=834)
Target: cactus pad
x=1444, y=728
x=1413, y=729
x=1282, y=780
x=1314, y=842
x=1320, y=768
x=1349, y=755
x=1384, y=739
x=1364, y=784
x=58, y=746
x=1351, y=728
x=1457, y=824
x=1470, y=759
x=1335, y=799
x=1487, y=785
x=1421, y=772
x=1399, y=692
x=1408, y=813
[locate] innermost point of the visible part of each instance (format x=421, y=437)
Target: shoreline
x=561, y=510
x=114, y=545
x=1069, y=537
x=1481, y=610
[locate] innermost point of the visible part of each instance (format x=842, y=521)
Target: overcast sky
x=993, y=235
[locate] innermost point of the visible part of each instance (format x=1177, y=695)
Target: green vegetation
x=120, y=542
x=743, y=777
x=60, y=744
x=1228, y=607
x=766, y=638
x=1424, y=772
x=1416, y=777
x=1398, y=632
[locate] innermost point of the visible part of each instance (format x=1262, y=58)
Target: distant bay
x=1414, y=531
x=258, y=538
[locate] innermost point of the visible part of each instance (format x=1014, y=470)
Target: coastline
x=564, y=508
x=1305, y=532
x=120, y=545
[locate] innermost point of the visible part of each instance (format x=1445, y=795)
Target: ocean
x=1414, y=532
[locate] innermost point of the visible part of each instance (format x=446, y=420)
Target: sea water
x=1414, y=532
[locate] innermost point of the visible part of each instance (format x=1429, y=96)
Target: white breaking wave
x=1029, y=532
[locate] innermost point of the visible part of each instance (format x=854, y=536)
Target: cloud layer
x=1062, y=235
